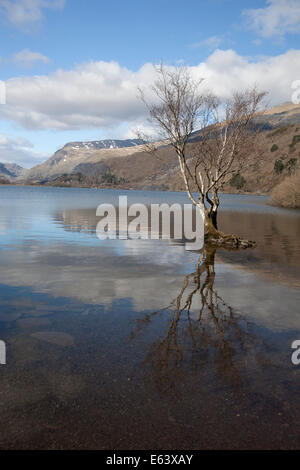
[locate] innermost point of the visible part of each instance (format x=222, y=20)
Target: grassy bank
x=287, y=193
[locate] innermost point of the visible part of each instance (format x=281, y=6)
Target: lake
x=141, y=344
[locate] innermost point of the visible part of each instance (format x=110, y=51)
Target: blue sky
x=72, y=68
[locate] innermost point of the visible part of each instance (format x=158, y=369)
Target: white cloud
x=276, y=19
x=24, y=13
x=104, y=95
x=98, y=94
x=213, y=42
x=140, y=129
x=226, y=71
x=20, y=151
x=28, y=58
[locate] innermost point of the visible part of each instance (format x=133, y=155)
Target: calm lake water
x=140, y=344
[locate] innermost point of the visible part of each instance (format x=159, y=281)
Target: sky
x=71, y=68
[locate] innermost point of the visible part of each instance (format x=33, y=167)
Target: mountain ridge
x=10, y=171
x=126, y=164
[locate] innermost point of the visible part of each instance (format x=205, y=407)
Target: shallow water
x=140, y=344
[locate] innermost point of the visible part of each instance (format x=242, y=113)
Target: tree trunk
x=212, y=212
x=213, y=219
x=213, y=236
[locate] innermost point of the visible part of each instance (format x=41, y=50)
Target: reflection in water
x=202, y=330
x=277, y=254
x=94, y=339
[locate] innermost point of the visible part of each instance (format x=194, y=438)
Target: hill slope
x=10, y=171
x=126, y=164
x=74, y=155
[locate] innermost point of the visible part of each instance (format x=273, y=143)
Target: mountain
x=10, y=171
x=285, y=114
x=81, y=157
x=106, y=144
x=126, y=164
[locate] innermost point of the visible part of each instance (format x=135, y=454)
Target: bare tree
x=225, y=134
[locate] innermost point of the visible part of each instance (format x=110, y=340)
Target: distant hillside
x=286, y=114
x=126, y=164
x=84, y=157
x=105, y=144
x=10, y=171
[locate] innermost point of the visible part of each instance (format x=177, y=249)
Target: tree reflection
x=202, y=330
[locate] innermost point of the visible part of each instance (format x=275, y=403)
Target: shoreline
x=116, y=187
x=123, y=187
